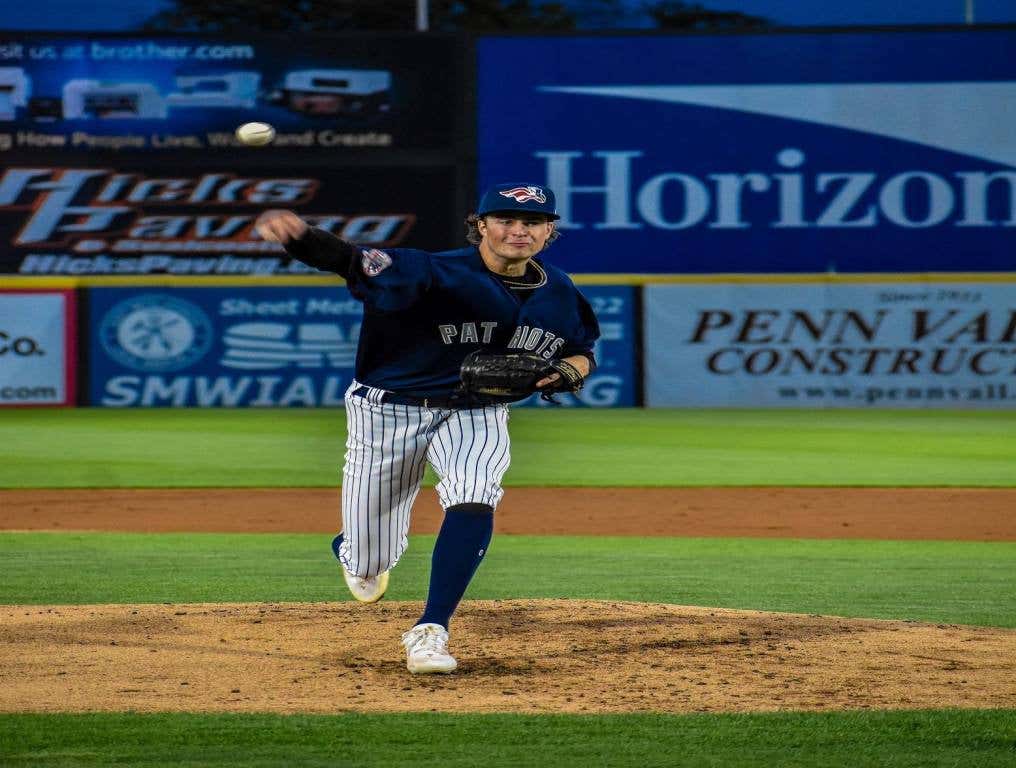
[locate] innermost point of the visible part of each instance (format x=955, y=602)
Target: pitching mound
x=514, y=656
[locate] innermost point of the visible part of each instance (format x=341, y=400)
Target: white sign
x=33, y=360
x=882, y=345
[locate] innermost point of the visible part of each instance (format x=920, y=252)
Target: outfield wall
x=232, y=345
x=772, y=219
x=868, y=342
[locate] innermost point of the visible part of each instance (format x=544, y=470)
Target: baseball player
x=423, y=314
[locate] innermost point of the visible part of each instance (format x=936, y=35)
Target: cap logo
x=525, y=194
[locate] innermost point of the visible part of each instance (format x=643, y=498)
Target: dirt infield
x=515, y=655
x=960, y=514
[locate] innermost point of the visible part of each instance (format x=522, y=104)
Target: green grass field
x=96, y=448
x=936, y=581
x=926, y=739
x=947, y=582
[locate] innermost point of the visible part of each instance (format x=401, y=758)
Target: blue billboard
x=795, y=153
x=221, y=347
x=615, y=381
x=277, y=347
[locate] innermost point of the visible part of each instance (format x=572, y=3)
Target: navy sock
x=460, y=546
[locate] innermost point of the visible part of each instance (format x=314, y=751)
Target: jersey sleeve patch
x=374, y=262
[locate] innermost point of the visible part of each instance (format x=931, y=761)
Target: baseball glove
x=515, y=375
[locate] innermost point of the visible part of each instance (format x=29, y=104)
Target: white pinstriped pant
x=386, y=447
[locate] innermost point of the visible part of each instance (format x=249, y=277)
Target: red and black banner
x=134, y=218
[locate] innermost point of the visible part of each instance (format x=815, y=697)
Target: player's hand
x=280, y=226
x=581, y=363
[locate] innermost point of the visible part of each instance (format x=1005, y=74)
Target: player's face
x=513, y=237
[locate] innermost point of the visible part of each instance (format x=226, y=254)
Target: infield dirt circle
x=514, y=655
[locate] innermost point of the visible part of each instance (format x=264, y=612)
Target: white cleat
x=427, y=650
x=366, y=590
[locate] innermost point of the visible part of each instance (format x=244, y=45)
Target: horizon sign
x=835, y=152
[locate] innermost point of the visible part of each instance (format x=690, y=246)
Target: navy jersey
x=424, y=312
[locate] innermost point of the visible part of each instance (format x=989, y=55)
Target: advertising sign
x=879, y=345
x=274, y=347
x=133, y=218
x=613, y=383
x=37, y=348
x=187, y=92
x=258, y=347
x=845, y=152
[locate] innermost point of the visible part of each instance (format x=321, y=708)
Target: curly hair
x=474, y=237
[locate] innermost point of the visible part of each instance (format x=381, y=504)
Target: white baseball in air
x=255, y=134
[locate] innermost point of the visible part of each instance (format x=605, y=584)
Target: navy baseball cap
x=529, y=198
